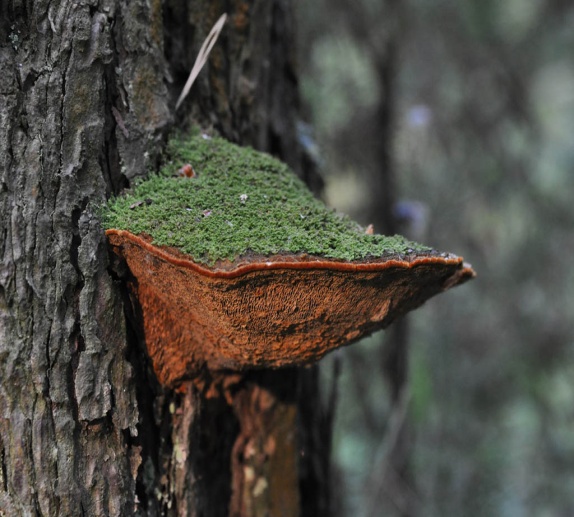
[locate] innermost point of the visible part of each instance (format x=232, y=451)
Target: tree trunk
x=87, y=100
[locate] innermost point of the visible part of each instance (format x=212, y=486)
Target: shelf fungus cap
x=260, y=301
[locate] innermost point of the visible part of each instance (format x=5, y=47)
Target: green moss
x=241, y=201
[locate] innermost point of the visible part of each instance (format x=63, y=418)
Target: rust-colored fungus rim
x=292, y=261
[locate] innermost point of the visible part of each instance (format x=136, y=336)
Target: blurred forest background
x=465, y=109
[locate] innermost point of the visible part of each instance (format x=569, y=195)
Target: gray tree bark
x=87, y=93
x=68, y=410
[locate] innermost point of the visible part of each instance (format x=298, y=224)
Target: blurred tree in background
x=453, y=123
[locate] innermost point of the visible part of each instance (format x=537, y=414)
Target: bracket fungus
x=240, y=267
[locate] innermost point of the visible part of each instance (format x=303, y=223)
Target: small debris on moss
x=240, y=201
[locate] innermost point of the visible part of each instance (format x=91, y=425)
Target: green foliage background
x=483, y=147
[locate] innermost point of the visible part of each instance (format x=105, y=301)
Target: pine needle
x=202, y=57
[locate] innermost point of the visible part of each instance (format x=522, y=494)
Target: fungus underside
x=240, y=202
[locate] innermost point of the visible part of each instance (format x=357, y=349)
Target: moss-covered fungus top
x=240, y=202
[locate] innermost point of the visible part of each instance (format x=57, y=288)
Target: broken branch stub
x=262, y=310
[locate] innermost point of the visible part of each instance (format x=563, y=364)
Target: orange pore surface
x=267, y=312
